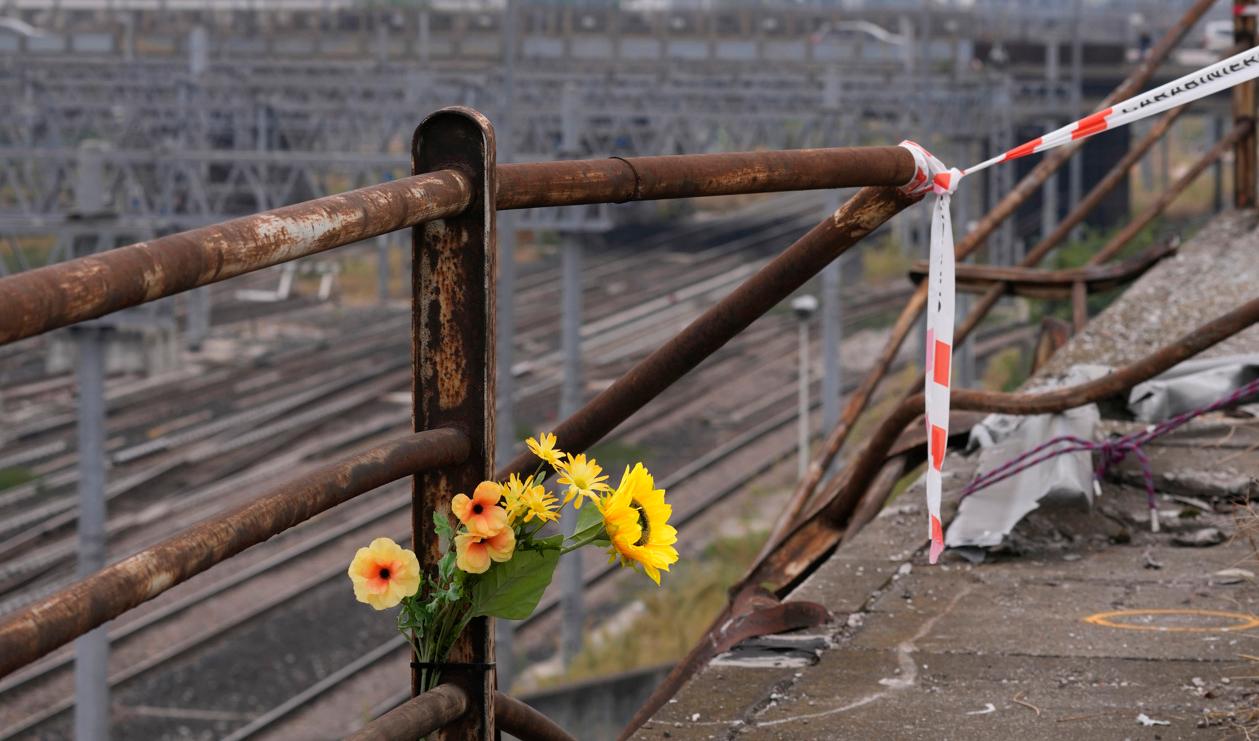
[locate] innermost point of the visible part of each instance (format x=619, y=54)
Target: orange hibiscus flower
x=481, y=513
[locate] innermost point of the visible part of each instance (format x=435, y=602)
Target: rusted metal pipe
x=1079, y=297
x=58, y=295
x=82, y=606
x=1049, y=284
x=417, y=717
x=524, y=722
x=617, y=180
x=55, y=296
x=1052, y=161
x=859, y=216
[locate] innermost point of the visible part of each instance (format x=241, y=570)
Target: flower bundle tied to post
x=497, y=560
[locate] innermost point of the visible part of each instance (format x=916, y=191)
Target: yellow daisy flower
x=636, y=518
x=513, y=492
x=582, y=478
x=537, y=502
x=544, y=448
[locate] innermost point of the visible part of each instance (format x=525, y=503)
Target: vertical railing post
x=1244, y=102
x=453, y=287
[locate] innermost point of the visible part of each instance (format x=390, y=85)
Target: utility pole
x=1049, y=193
x=1075, y=165
x=1244, y=108
x=505, y=382
x=832, y=339
x=1217, y=170
x=91, y=650
x=382, y=268
x=804, y=307
x=571, y=390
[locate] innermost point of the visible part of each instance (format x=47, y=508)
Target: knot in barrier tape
x=930, y=174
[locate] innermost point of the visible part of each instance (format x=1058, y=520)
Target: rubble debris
x=1189, y=385
x=1225, y=577
x=988, y=515
x=1201, y=538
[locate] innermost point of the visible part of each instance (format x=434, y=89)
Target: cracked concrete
x=1084, y=624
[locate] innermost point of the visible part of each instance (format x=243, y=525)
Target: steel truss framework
x=186, y=149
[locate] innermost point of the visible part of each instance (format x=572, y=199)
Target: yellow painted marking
x=1242, y=620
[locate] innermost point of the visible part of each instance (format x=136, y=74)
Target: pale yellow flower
x=383, y=573
x=544, y=448
x=582, y=477
x=513, y=490
x=473, y=554
x=537, y=502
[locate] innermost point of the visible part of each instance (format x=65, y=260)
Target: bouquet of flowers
x=499, y=555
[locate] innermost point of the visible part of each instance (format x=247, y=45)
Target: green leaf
x=446, y=566
x=589, y=519
x=511, y=590
x=445, y=533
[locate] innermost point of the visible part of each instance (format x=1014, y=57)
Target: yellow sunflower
x=544, y=448
x=583, y=479
x=637, y=520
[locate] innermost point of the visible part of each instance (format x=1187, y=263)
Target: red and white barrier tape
x=932, y=175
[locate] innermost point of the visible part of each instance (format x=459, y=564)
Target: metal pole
x=804, y=307
x=1075, y=171
x=1049, y=193
x=1217, y=170
x=1049, y=206
x=198, y=317
x=965, y=375
x=382, y=268
x=1164, y=163
x=571, y=389
x=571, y=401
x=802, y=415
x=91, y=650
x=504, y=630
x=832, y=338
x=1244, y=109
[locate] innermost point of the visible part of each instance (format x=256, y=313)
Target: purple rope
x=1110, y=452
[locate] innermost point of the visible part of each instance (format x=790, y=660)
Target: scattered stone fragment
x=1147, y=721
x=1147, y=560
x=1232, y=576
x=1202, y=538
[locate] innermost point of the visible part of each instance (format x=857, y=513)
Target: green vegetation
x=16, y=476
x=674, y=615
x=885, y=262
x=1005, y=370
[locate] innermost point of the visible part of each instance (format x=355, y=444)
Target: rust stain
x=450, y=359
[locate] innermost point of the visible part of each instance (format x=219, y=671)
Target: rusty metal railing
x=450, y=203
